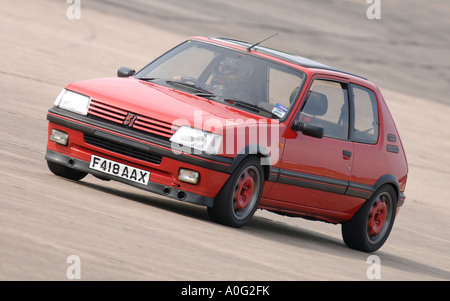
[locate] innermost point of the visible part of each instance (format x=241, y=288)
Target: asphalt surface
x=120, y=233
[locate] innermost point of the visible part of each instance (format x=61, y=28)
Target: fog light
x=188, y=176
x=59, y=137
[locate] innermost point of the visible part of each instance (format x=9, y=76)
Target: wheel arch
x=391, y=180
x=253, y=150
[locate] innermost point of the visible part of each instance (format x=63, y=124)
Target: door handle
x=347, y=154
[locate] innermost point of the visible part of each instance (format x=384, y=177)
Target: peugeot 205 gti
x=236, y=127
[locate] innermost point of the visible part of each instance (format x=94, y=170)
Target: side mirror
x=125, y=72
x=307, y=129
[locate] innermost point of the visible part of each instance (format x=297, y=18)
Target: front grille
x=122, y=149
x=106, y=112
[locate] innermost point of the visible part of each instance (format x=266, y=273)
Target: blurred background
x=121, y=233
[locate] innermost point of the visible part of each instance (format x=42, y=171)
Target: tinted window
x=327, y=106
x=366, y=115
x=283, y=86
x=228, y=74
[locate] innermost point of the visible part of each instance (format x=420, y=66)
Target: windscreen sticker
x=280, y=110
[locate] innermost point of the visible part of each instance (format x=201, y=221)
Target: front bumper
x=92, y=137
x=160, y=189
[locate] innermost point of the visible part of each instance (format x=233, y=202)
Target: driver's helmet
x=230, y=73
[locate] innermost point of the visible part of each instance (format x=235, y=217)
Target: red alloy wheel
x=244, y=191
x=372, y=223
x=377, y=217
x=238, y=200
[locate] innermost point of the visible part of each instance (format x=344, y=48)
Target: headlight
x=72, y=101
x=196, y=139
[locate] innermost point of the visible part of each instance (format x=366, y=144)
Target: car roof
x=292, y=58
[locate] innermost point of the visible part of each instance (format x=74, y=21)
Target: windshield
x=225, y=75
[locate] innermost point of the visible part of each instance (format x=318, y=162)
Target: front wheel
x=371, y=225
x=239, y=198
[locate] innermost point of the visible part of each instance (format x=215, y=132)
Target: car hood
x=164, y=103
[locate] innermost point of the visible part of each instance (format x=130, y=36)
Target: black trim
x=391, y=137
x=203, y=160
x=392, y=148
x=312, y=181
x=251, y=149
x=401, y=198
x=274, y=174
x=163, y=190
x=360, y=190
x=138, y=151
x=349, y=188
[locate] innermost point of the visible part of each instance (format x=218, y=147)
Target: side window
x=327, y=106
x=281, y=86
x=365, y=129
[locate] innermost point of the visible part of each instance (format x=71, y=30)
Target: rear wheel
x=370, y=227
x=239, y=198
x=65, y=172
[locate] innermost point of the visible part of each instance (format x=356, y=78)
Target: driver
x=229, y=78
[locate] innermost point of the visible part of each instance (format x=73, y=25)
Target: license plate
x=120, y=170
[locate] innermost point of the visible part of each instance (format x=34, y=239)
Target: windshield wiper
x=146, y=78
x=250, y=106
x=206, y=94
x=189, y=85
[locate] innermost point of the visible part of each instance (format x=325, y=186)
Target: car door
x=315, y=172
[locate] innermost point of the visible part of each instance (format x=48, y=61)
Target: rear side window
x=365, y=129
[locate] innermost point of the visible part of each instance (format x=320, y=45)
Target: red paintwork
x=164, y=173
x=300, y=153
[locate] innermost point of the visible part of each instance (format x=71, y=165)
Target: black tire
x=239, y=198
x=371, y=225
x=65, y=172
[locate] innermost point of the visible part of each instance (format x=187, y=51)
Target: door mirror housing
x=307, y=129
x=125, y=72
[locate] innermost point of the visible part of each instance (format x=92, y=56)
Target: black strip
x=126, y=147
x=274, y=174
x=312, y=181
x=290, y=177
x=359, y=190
x=354, y=189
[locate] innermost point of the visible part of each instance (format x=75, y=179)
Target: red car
x=236, y=127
